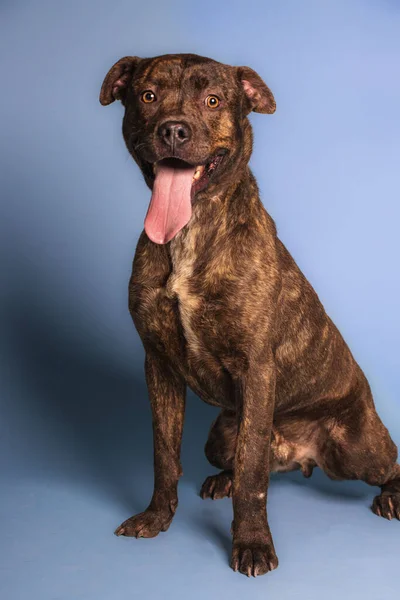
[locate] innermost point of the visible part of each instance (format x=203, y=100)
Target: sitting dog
x=221, y=307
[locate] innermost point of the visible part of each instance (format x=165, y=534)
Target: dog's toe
x=253, y=560
x=217, y=486
x=146, y=524
x=387, y=505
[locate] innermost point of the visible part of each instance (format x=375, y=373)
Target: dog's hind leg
x=358, y=446
x=220, y=452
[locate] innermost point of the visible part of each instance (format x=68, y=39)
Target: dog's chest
x=180, y=286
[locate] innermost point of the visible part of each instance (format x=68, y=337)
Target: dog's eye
x=212, y=101
x=148, y=97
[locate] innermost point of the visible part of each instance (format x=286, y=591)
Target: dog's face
x=186, y=120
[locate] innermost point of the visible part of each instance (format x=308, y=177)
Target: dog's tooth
x=197, y=174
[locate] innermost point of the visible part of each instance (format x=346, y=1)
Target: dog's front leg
x=167, y=392
x=253, y=549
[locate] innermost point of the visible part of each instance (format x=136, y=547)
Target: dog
x=221, y=306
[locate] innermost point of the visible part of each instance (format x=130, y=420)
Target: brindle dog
x=221, y=306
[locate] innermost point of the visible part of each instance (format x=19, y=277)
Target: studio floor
x=59, y=514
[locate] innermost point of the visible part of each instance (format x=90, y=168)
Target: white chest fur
x=183, y=256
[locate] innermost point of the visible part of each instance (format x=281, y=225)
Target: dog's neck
x=230, y=201
x=216, y=213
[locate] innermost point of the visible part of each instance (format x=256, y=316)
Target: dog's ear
x=117, y=80
x=258, y=95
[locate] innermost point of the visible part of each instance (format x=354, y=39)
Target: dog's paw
x=147, y=524
x=253, y=559
x=217, y=486
x=387, y=505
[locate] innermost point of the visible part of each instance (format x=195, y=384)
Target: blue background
x=76, y=449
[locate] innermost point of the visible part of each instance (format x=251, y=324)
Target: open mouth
x=202, y=173
x=175, y=184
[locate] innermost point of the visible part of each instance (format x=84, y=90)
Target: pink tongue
x=170, y=205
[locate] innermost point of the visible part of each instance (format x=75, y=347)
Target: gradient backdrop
x=76, y=448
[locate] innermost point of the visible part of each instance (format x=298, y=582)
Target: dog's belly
x=294, y=451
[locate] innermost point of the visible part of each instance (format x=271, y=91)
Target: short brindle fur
x=224, y=309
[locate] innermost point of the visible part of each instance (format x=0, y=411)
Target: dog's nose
x=174, y=133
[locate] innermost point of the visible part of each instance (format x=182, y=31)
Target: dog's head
x=186, y=126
